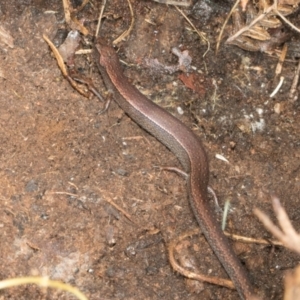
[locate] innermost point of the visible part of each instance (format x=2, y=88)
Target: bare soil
x=62, y=164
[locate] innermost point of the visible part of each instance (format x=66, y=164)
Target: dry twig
x=70, y=18
x=287, y=235
x=126, y=214
x=292, y=284
x=189, y=274
x=214, y=280
x=63, y=68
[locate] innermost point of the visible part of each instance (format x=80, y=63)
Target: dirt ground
x=69, y=175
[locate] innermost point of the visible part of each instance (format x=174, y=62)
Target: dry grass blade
x=198, y=32
x=277, y=88
x=42, y=282
x=127, y=31
x=225, y=23
x=281, y=60
x=171, y=2
x=100, y=17
x=286, y=20
x=293, y=91
x=249, y=240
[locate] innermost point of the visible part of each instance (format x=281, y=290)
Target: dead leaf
x=195, y=82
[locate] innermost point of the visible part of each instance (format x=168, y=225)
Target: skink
x=186, y=145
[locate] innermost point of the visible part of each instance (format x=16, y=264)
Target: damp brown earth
x=84, y=198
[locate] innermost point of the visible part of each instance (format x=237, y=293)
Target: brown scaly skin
x=186, y=145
